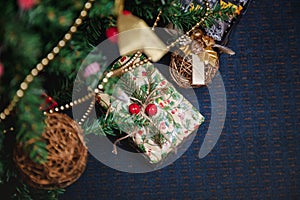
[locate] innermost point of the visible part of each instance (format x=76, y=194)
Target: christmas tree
x=42, y=46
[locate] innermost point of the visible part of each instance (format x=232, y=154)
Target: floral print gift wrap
x=162, y=119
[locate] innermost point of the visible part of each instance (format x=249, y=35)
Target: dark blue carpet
x=257, y=155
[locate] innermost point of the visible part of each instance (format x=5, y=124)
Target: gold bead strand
x=129, y=66
x=71, y=104
x=124, y=68
x=86, y=114
x=11, y=129
x=157, y=19
x=45, y=61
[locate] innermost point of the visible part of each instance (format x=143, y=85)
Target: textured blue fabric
x=257, y=155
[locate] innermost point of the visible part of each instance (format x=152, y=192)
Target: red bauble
x=112, y=34
x=26, y=4
x=151, y=109
x=126, y=12
x=134, y=108
x=1, y=69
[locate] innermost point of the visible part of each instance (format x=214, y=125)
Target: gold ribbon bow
x=201, y=45
x=209, y=56
x=135, y=34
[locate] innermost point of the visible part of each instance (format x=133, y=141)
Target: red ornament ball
x=151, y=109
x=134, y=108
x=26, y=4
x=112, y=34
x=126, y=12
x=1, y=69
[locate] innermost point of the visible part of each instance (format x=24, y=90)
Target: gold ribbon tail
x=135, y=34
x=119, y=7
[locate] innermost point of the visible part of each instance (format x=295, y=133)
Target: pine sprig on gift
x=104, y=126
x=131, y=89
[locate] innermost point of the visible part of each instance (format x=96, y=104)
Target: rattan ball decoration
x=181, y=63
x=67, y=155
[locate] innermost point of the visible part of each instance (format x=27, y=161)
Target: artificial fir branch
x=93, y=127
x=28, y=133
x=104, y=125
x=131, y=89
x=95, y=28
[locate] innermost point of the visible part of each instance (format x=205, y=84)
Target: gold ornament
x=67, y=155
x=196, y=62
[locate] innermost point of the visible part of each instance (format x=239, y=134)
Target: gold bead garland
x=157, y=19
x=10, y=129
x=45, y=61
x=71, y=104
x=130, y=65
x=88, y=111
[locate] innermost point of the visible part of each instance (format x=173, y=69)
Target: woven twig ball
x=181, y=68
x=67, y=155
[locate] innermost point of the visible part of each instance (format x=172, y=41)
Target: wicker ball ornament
x=181, y=67
x=67, y=155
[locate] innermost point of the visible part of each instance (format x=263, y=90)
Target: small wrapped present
x=151, y=111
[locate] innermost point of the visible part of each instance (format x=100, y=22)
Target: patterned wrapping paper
x=175, y=120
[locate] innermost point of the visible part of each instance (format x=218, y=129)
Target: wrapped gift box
x=163, y=132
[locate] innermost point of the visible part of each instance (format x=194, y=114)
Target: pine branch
x=27, y=131
x=131, y=88
x=105, y=125
x=93, y=127
x=95, y=28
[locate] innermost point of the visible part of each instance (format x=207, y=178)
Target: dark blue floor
x=257, y=155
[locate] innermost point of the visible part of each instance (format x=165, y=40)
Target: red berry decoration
x=112, y=34
x=48, y=104
x=126, y=12
x=134, y=108
x=151, y=109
